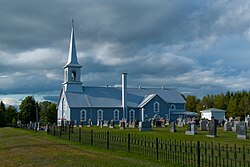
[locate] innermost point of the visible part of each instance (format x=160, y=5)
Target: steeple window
x=73, y=75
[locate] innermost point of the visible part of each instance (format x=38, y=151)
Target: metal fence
x=185, y=153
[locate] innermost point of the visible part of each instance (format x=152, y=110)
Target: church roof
x=111, y=96
x=72, y=57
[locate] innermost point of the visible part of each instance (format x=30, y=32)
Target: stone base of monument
x=145, y=126
x=190, y=133
x=234, y=129
x=210, y=135
x=242, y=136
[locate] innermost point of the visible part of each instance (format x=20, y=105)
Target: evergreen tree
x=11, y=113
x=28, y=109
x=2, y=114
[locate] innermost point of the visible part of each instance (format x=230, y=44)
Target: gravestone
x=38, y=126
x=227, y=126
x=158, y=124
x=163, y=124
x=191, y=129
x=47, y=128
x=112, y=124
x=145, y=126
x=241, y=130
x=212, y=128
x=89, y=123
x=247, y=120
x=235, y=123
x=203, y=125
x=101, y=123
x=106, y=123
x=154, y=122
x=75, y=123
x=122, y=124
x=172, y=127
x=180, y=122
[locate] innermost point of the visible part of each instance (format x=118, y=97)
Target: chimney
x=124, y=95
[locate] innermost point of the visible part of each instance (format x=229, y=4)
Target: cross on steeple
x=73, y=22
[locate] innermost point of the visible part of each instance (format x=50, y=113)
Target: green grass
x=223, y=137
x=20, y=147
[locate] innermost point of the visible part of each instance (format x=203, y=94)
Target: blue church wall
x=75, y=116
x=136, y=114
x=108, y=114
x=149, y=108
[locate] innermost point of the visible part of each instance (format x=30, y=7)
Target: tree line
x=235, y=103
x=30, y=110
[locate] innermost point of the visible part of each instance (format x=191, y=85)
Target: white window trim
x=85, y=114
x=116, y=110
x=130, y=111
x=100, y=110
x=156, y=103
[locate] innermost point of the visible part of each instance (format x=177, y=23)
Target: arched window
x=116, y=115
x=99, y=115
x=156, y=107
x=73, y=75
x=63, y=107
x=83, y=115
x=131, y=115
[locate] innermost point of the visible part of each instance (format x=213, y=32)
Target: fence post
x=129, y=142
x=107, y=139
x=157, y=148
x=80, y=135
x=91, y=137
x=69, y=132
x=244, y=154
x=198, y=153
x=60, y=134
x=54, y=130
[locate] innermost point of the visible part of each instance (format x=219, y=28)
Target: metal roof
x=111, y=96
x=212, y=110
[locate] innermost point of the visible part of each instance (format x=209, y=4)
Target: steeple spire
x=72, y=57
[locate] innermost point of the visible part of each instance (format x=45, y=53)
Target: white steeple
x=72, y=70
x=72, y=57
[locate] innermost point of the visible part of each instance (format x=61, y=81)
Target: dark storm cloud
x=193, y=46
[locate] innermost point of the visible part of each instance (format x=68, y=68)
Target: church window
x=83, y=115
x=73, y=75
x=99, y=115
x=172, y=107
x=116, y=115
x=132, y=115
x=156, y=107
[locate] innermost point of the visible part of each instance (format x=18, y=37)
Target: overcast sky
x=198, y=47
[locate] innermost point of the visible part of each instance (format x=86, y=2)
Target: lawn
x=19, y=147
x=223, y=137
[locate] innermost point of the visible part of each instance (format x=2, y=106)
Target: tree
x=28, y=109
x=2, y=114
x=232, y=107
x=10, y=114
x=191, y=103
x=48, y=112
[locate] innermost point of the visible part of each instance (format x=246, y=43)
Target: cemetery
x=193, y=143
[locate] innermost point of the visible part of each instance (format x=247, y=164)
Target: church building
x=78, y=103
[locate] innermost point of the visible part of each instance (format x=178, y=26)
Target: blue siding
x=163, y=108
